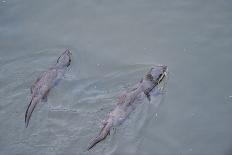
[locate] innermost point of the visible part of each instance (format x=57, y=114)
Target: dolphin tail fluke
x=29, y=111
x=102, y=135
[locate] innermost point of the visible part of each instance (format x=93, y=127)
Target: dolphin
x=126, y=102
x=48, y=79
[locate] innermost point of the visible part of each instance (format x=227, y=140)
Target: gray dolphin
x=125, y=104
x=41, y=87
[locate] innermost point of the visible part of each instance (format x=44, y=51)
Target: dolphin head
x=65, y=59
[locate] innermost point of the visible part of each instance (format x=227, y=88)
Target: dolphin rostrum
x=41, y=87
x=126, y=102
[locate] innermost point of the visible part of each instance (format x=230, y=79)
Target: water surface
x=114, y=43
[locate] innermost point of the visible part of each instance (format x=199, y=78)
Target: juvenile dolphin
x=41, y=87
x=125, y=104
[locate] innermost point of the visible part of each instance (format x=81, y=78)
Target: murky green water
x=113, y=44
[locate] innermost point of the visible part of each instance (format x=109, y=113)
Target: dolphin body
x=125, y=104
x=41, y=87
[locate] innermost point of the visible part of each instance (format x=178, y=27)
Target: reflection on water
x=114, y=43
